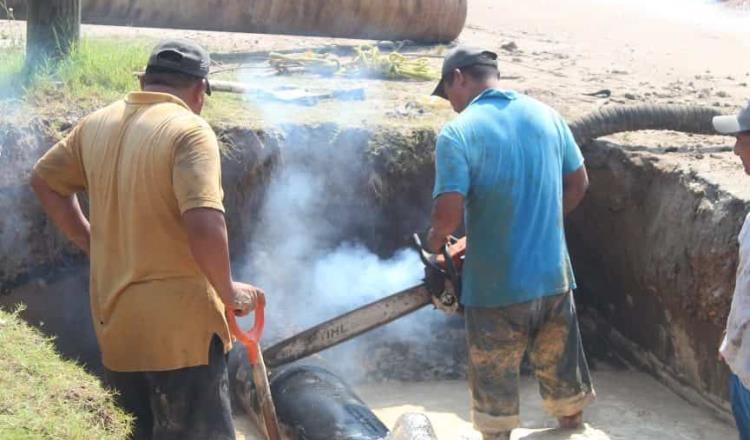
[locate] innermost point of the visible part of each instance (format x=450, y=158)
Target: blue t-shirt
x=507, y=154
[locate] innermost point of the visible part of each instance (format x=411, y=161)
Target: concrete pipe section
x=424, y=21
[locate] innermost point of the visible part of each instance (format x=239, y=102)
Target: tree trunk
x=52, y=27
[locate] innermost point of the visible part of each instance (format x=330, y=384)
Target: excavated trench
x=654, y=247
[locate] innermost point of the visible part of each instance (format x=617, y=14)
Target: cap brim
x=729, y=124
x=440, y=90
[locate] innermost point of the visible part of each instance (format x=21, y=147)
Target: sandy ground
x=630, y=406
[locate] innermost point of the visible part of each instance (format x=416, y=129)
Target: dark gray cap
x=180, y=56
x=733, y=124
x=463, y=56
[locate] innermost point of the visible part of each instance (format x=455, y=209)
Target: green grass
x=96, y=71
x=45, y=397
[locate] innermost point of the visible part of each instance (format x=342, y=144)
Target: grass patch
x=96, y=73
x=45, y=397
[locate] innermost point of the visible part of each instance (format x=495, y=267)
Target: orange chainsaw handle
x=251, y=338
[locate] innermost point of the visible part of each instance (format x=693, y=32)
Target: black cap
x=463, y=56
x=180, y=56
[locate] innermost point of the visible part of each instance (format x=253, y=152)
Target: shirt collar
x=146, y=98
x=495, y=93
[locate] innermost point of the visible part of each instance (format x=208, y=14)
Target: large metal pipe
x=426, y=21
x=311, y=403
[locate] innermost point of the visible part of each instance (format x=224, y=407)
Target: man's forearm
x=207, y=235
x=446, y=218
x=65, y=212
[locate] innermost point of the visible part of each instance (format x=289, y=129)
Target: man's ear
x=458, y=76
x=197, y=91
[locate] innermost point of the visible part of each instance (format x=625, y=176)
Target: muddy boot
x=496, y=435
x=571, y=422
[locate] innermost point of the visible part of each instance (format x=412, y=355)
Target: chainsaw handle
x=423, y=254
x=450, y=267
x=251, y=338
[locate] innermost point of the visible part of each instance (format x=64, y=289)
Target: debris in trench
x=369, y=62
x=510, y=47
x=290, y=95
x=409, y=110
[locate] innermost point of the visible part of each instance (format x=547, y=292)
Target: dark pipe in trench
x=312, y=403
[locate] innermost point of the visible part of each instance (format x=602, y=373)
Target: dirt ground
x=629, y=406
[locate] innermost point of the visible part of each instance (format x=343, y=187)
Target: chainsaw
x=441, y=287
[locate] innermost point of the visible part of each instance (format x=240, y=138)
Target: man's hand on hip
x=244, y=298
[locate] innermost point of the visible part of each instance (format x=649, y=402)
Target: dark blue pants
x=740, y=406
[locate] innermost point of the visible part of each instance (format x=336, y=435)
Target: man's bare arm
x=447, y=215
x=575, y=185
x=65, y=212
x=207, y=233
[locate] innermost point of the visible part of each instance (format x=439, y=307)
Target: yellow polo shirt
x=144, y=161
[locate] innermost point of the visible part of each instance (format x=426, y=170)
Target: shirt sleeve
x=196, y=173
x=451, y=166
x=572, y=158
x=61, y=167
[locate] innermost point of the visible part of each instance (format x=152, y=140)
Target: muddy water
x=630, y=405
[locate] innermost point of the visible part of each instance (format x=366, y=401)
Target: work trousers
x=498, y=337
x=186, y=404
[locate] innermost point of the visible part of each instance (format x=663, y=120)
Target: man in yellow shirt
x=157, y=240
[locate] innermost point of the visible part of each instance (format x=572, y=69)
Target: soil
x=630, y=405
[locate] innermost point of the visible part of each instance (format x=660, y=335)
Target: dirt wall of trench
x=655, y=252
x=380, y=185
x=388, y=175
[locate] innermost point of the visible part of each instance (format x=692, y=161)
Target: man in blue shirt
x=511, y=165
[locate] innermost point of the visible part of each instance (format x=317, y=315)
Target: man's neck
x=481, y=88
x=165, y=89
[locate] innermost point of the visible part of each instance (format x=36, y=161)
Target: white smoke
x=301, y=253
x=352, y=274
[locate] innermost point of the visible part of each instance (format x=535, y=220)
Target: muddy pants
x=498, y=337
x=185, y=404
